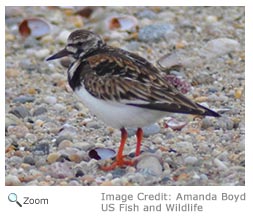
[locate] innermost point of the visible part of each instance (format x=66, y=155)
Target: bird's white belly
x=118, y=115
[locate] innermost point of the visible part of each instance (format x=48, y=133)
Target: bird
x=121, y=88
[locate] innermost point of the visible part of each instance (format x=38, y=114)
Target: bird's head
x=79, y=44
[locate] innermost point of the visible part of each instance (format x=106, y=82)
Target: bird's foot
x=117, y=163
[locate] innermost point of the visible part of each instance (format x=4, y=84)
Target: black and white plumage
x=119, y=87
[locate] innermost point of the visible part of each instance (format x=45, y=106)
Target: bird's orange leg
x=139, y=135
x=119, y=162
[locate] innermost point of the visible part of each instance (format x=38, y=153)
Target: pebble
x=74, y=183
x=68, y=130
x=15, y=160
x=39, y=111
x=50, y=100
x=75, y=158
x=19, y=131
x=63, y=36
x=60, y=170
x=220, y=164
x=155, y=32
x=147, y=14
x=149, y=164
x=93, y=124
x=24, y=99
x=171, y=60
x=207, y=123
x=12, y=73
x=64, y=144
x=238, y=92
x=219, y=46
x=186, y=146
x=12, y=180
x=79, y=173
x=11, y=120
x=41, y=148
x=59, y=107
x=29, y=160
x=225, y=123
x=151, y=130
x=20, y=112
x=42, y=53
x=59, y=139
x=53, y=157
x=191, y=160
x=158, y=140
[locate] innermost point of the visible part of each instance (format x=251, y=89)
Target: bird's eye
x=79, y=44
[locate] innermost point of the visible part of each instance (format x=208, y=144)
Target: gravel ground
x=50, y=133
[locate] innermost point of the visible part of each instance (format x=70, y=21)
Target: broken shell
x=101, y=153
x=122, y=23
x=34, y=26
x=175, y=124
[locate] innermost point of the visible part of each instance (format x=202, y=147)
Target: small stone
x=151, y=130
x=24, y=99
x=75, y=158
x=155, y=32
x=225, y=123
x=18, y=131
x=147, y=14
x=77, y=21
x=11, y=180
x=186, y=146
x=149, y=164
x=68, y=130
x=39, y=111
x=93, y=124
x=50, y=100
x=191, y=160
x=59, y=107
x=41, y=149
x=207, y=123
x=12, y=73
x=219, y=46
x=203, y=177
x=158, y=140
x=220, y=164
x=20, y=112
x=42, y=53
x=62, y=138
x=63, y=36
x=53, y=157
x=60, y=170
x=11, y=120
x=79, y=173
x=29, y=160
x=64, y=144
x=238, y=93
x=106, y=183
x=74, y=183
x=14, y=160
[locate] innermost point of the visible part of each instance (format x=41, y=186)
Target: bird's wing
x=129, y=79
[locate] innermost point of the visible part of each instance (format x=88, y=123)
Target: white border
x=85, y=201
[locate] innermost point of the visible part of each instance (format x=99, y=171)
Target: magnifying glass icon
x=12, y=197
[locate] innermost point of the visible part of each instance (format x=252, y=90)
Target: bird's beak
x=59, y=54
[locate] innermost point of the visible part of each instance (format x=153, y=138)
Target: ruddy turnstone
x=121, y=88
